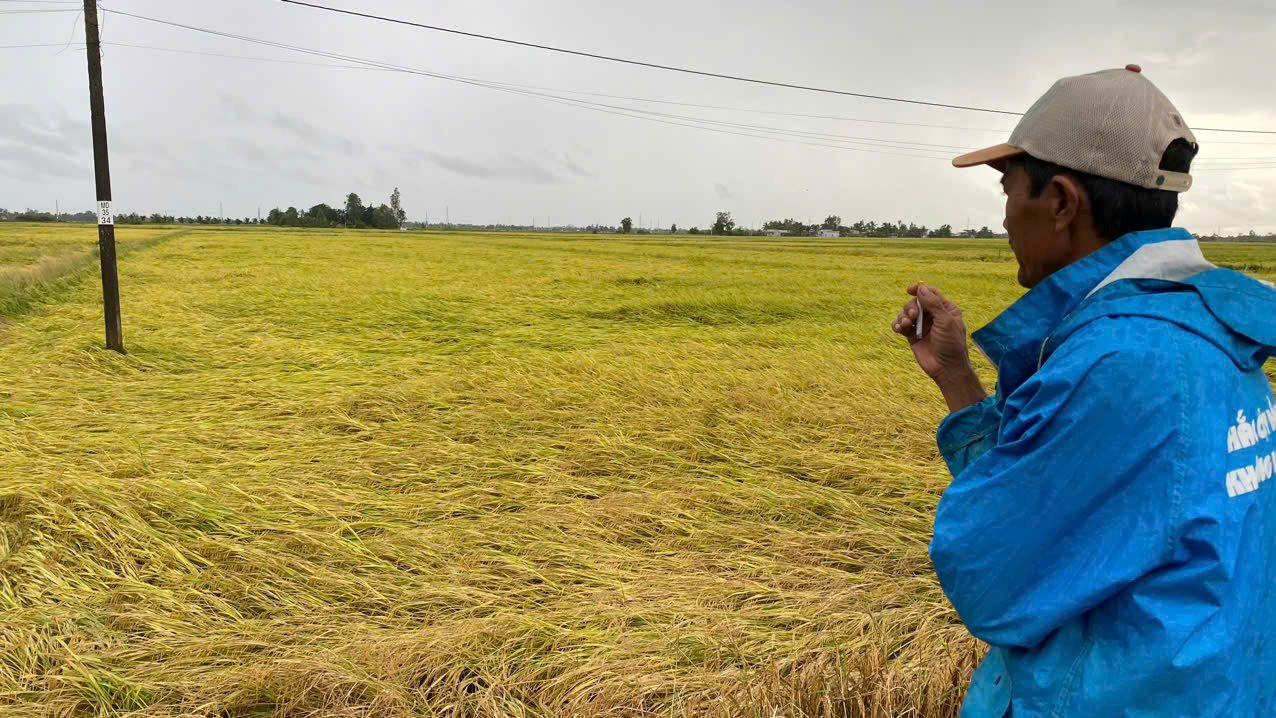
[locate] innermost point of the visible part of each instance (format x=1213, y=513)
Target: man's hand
x=941, y=350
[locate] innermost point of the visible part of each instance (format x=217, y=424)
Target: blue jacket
x=1110, y=529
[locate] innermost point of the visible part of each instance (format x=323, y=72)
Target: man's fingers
x=934, y=301
x=930, y=299
x=903, y=323
x=949, y=304
x=921, y=289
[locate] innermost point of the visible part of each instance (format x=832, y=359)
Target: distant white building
x=827, y=233
x=774, y=232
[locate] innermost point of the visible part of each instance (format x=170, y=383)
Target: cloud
x=31, y=161
x=1229, y=203
x=54, y=131
x=1252, y=197
x=158, y=163
x=507, y=167
x=278, y=161
x=1237, y=12
x=311, y=135
x=295, y=128
x=238, y=109
x=570, y=165
x=1210, y=58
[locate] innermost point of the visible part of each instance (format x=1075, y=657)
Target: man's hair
x=1118, y=207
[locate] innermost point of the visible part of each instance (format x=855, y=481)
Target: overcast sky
x=190, y=131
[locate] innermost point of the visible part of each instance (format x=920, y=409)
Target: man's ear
x=1066, y=196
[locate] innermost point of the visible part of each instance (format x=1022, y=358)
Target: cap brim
x=995, y=156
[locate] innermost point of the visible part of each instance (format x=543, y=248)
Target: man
x=1110, y=529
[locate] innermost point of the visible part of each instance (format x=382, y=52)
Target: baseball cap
x=1112, y=123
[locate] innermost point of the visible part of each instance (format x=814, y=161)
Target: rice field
x=421, y=474
x=34, y=259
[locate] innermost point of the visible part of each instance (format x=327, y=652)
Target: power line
x=588, y=93
x=493, y=84
x=204, y=54
x=653, y=65
x=243, y=57
x=71, y=37
x=854, y=139
x=750, y=109
x=559, y=89
x=608, y=58
x=1234, y=159
x=1223, y=129
x=679, y=120
x=637, y=113
x=850, y=139
x=689, y=71
x=42, y=44
x=598, y=107
x=644, y=115
x=1245, y=167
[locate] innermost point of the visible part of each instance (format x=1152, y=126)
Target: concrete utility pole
x=102, y=171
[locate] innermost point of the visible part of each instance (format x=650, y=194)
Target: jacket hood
x=1172, y=281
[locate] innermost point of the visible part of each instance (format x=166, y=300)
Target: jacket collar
x=1014, y=340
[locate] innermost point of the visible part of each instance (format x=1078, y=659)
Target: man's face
x=1031, y=225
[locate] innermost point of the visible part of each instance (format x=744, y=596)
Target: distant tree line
x=1250, y=236
x=354, y=214
x=862, y=228
x=160, y=218
x=724, y=225
x=90, y=217
x=33, y=215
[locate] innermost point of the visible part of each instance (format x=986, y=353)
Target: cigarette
x=920, y=316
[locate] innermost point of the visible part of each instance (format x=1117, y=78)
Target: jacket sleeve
x=968, y=434
x=1077, y=497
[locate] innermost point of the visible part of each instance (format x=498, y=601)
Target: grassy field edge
x=23, y=289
